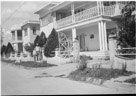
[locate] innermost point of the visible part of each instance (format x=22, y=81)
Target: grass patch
x=100, y=73
x=132, y=80
x=30, y=64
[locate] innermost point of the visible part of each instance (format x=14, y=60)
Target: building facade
x=24, y=33
x=17, y=38
x=30, y=30
x=88, y=21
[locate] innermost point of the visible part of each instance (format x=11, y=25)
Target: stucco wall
x=90, y=44
x=47, y=29
x=26, y=39
x=32, y=36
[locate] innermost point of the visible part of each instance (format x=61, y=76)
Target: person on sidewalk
x=34, y=54
x=37, y=51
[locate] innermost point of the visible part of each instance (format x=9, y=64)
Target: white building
x=24, y=33
x=30, y=30
x=17, y=38
x=89, y=21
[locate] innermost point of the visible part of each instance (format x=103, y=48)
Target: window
x=25, y=32
x=13, y=35
x=34, y=30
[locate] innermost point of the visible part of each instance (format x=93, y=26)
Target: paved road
x=20, y=81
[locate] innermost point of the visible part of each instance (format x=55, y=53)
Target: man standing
x=37, y=51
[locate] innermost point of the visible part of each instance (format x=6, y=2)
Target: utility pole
x=2, y=35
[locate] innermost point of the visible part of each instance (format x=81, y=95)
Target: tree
x=36, y=40
x=126, y=36
x=3, y=49
x=9, y=49
x=42, y=39
x=51, y=44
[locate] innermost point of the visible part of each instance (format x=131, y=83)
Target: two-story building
x=17, y=38
x=30, y=30
x=24, y=33
x=88, y=21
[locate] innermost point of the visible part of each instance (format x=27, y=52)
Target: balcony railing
x=86, y=14
x=65, y=21
x=109, y=10
x=90, y=13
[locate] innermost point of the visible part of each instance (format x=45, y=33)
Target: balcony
x=111, y=11
x=19, y=38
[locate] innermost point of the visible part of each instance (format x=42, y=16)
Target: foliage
x=36, y=41
x=83, y=62
x=87, y=57
x=3, y=49
x=51, y=44
x=29, y=47
x=126, y=35
x=132, y=80
x=100, y=73
x=9, y=49
x=29, y=64
x=42, y=39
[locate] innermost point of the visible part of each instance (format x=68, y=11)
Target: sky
x=17, y=12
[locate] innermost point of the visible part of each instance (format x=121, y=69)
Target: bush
x=100, y=73
x=83, y=62
x=29, y=47
x=42, y=39
x=51, y=44
x=9, y=49
x=87, y=57
x=36, y=40
x=3, y=49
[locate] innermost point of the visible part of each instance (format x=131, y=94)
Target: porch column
x=23, y=39
x=102, y=7
x=29, y=33
x=73, y=12
x=73, y=33
x=104, y=35
x=100, y=36
x=98, y=7
x=15, y=35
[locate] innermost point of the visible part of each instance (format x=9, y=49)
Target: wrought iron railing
x=86, y=14
x=126, y=51
x=90, y=13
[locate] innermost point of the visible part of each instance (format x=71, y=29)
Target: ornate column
x=104, y=35
x=98, y=7
x=73, y=12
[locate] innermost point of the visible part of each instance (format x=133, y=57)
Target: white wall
x=91, y=44
x=47, y=29
x=32, y=36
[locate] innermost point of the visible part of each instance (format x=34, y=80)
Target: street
x=19, y=81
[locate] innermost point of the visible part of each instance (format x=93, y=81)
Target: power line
x=13, y=13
